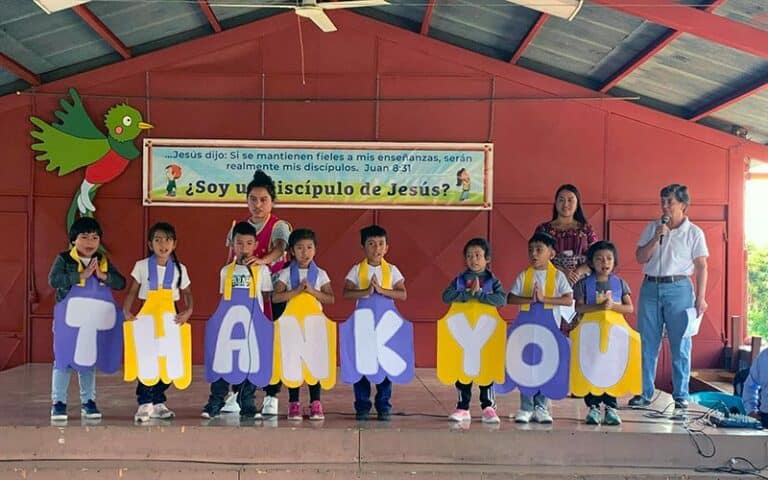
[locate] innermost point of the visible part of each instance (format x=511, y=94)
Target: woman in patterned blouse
x=571, y=231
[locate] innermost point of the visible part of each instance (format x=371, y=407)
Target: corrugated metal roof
x=686, y=77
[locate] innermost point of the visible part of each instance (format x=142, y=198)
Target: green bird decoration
x=75, y=142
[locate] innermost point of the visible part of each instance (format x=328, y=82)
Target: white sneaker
x=523, y=416
x=230, y=404
x=541, y=415
x=269, y=407
x=460, y=415
x=144, y=412
x=161, y=411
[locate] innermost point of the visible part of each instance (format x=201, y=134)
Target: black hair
x=84, y=225
x=578, y=215
x=680, y=192
x=301, y=234
x=262, y=180
x=458, y=176
x=545, y=238
x=167, y=229
x=243, y=228
x=479, y=242
x=602, y=245
x=371, y=231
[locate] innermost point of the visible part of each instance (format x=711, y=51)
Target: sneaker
x=231, y=405
x=460, y=416
x=59, y=411
x=489, y=415
x=316, y=411
x=144, y=412
x=89, y=410
x=593, y=416
x=541, y=415
x=252, y=414
x=383, y=416
x=208, y=412
x=523, y=416
x=161, y=411
x=269, y=406
x=294, y=411
x=611, y=417
x=638, y=401
x=361, y=415
x=681, y=409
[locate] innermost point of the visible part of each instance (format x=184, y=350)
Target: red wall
x=545, y=134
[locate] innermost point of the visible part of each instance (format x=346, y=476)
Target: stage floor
x=418, y=435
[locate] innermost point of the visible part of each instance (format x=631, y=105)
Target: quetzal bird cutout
x=76, y=142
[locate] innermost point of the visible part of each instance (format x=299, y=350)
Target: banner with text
x=320, y=174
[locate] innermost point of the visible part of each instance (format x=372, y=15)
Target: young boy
x=531, y=287
x=374, y=275
x=476, y=282
x=244, y=243
x=70, y=268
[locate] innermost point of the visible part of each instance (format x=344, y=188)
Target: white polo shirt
x=678, y=250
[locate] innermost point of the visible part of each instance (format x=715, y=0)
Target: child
x=364, y=279
x=602, y=290
x=476, y=282
x=243, y=243
x=162, y=245
x=75, y=267
x=541, y=250
x=755, y=392
x=296, y=279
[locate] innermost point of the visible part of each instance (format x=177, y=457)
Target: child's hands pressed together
x=538, y=295
x=476, y=286
x=374, y=286
x=90, y=269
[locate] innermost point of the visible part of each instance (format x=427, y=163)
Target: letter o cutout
x=532, y=375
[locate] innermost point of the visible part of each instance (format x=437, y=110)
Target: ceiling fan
x=315, y=11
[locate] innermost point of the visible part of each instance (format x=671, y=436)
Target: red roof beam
x=104, y=32
x=649, y=52
x=730, y=100
x=427, y=17
x=208, y=12
x=528, y=39
x=19, y=70
x=714, y=28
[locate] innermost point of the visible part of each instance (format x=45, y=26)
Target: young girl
x=162, y=245
x=602, y=290
x=303, y=276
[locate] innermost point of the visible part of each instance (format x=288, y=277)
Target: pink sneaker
x=316, y=411
x=460, y=416
x=489, y=415
x=294, y=411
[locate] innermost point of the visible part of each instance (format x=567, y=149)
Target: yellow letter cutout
x=471, y=340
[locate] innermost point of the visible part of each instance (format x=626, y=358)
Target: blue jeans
x=363, y=395
x=529, y=402
x=664, y=304
x=60, y=385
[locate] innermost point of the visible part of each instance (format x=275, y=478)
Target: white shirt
x=241, y=278
x=677, y=251
x=540, y=278
x=140, y=273
x=354, y=274
x=285, y=276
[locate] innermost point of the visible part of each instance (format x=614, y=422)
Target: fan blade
x=352, y=4
x=318, y=16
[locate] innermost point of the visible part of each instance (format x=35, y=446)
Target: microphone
x=664, y=221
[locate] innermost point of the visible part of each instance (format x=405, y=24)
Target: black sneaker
x=361, y=415
x=681, y=404
x=209, y=411
x=638, y=401
x=59, y=411
x=384, y=416
x=89, y=410
x=681, y=409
